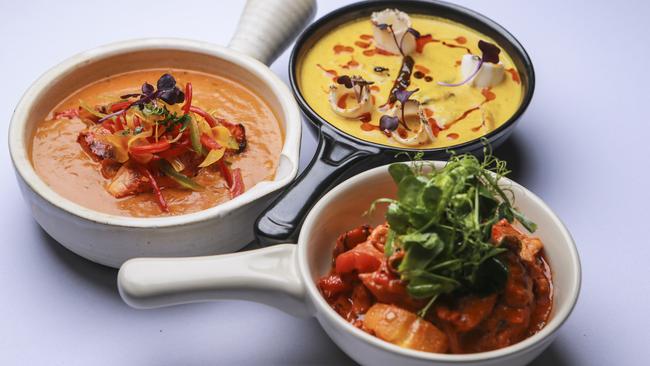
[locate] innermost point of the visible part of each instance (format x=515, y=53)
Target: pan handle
x=267, y=27
x=281, y=221
x=268, y=275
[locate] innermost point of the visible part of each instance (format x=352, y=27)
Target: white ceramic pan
x=284, y=276
x=265, y=30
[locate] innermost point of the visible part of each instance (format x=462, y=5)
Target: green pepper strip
x=195, y=137
x=179, y=178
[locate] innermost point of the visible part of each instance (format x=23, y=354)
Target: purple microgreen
x=388, y=123
x=147, y=89
x=490, y=52
x=167, y=92
x=345, y=80
x=414, y=32
x=383, y=26
x=478, y=67
x=404, y=95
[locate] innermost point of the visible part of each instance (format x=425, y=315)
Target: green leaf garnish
x=442, y=222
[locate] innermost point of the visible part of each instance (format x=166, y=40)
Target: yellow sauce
x=475, y=111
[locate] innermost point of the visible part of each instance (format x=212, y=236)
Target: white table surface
x=582, y=146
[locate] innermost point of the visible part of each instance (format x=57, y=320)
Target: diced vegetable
x=213, y=156
x=179, y=178
x=404, y=328
x=195, y=137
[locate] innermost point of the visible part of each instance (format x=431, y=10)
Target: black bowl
x=338, y=152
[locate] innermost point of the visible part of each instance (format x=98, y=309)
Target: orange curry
x=157, y=142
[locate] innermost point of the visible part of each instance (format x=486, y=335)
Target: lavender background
x=582, y=146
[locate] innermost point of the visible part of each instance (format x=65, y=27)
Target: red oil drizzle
x=428, y=112
x=457, y=63
x=488, y=94
x=350, y=64
x=422, y=69
x=366, y=117
x=418, y=75
x=451, y=45
x=361, y=44
x=453, y=136
x=341, y=48
x=514, y=74
x=330, y=73
x=377, y=51
x=428, y=79
x=434, y=126
x=422, y=41
x=462, y=116
x=342, y=102
x=366, y=37
x=475, y=129
x=402, y=132
x=374, y=88
x=461, y=40
x=374, y=100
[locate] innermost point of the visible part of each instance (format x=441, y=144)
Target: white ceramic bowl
x=285, y=275
x=264, y=31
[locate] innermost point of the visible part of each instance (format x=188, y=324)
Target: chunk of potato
x=404, y=328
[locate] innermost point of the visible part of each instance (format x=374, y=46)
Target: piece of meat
x=404, y=328
x=93, y=143
x=362, y=258
x=128, y=181
x=467, y=313
x=350, y=239
x=503, y=233
x=388, y=288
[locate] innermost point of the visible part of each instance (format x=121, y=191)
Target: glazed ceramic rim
x=333, y=317
x=290, y=150
x=332, y=16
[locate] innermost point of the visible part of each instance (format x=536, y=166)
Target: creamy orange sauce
x=62, y=164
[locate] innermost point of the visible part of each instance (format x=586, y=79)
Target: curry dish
x=410, y=81
x=448, y=272
x=124, y=146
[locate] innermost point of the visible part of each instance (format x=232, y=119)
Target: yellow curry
x=461, y=83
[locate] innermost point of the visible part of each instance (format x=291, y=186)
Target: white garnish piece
x=489, y=75
x=363, y=103
x=399, y=37
x=416, y=121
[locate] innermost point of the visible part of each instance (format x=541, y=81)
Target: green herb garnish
x=442, y=222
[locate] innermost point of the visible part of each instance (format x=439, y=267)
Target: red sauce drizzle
x=341, y=48
x=378, y=51
x=362, y=44
x=434, y=126
x=374, y=88
x=367, y=126
x=422, y=41
x=422, y=69
x=462, y=116
x=514, y=74
x=330, y=73
x=453, y=136
x=457, y=63
x=366, y=37
x=342, y=102
x=402, y=132
x=451, y=45
x=461, y=40
x=488, y=94
x=350, y=64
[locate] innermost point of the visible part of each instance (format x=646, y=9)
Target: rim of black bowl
x=460, y=14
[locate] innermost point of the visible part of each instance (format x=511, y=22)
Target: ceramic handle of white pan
x=267, y=27
x=267, y=275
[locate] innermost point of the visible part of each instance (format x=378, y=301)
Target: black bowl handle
x=280, y=223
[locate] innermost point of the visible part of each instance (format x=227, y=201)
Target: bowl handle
x=267, y=275
x=281, y=221
x=267, y=27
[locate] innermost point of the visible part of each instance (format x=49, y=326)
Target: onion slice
x=469, y=78
x=364, y=101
